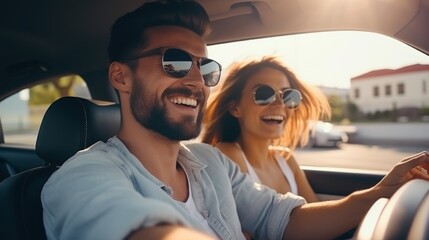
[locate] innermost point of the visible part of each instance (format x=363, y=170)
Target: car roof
x=41, y=39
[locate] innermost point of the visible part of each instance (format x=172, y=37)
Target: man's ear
x=120, y=76
x=234, y=110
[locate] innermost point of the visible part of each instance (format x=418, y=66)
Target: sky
x=326, y=59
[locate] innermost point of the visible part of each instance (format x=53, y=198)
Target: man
x=143, y=183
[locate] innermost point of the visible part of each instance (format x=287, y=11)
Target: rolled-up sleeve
x=261, y=210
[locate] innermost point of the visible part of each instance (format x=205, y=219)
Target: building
x=391, y=89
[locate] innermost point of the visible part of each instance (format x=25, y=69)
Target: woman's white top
x=287, y=172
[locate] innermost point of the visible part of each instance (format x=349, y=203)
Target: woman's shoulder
x=287, y=155
x=227, y=146
x=230, y=149
x=233, y=151
x=204, y=148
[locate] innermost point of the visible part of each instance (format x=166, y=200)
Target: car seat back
x=70, y=124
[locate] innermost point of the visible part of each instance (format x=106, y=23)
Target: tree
x=48, y=92
x=64, y=85
x=338, y=108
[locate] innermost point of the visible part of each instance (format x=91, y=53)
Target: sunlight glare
x=327, y=58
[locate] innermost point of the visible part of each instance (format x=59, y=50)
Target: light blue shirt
x=104, y=192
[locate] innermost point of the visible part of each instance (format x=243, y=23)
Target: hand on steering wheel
x=413, y=167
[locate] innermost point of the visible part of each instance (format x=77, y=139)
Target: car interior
x=86, y=123
x=41, y=41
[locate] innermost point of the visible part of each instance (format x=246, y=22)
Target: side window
x=22, y=113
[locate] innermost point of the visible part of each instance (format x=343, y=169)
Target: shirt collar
x=188, y=159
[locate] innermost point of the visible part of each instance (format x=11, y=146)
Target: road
x=374, y=157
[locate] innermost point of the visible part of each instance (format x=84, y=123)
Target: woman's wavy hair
x=221, y=126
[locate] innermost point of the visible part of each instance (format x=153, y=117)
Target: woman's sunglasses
x=178, y=63
x=264, y=95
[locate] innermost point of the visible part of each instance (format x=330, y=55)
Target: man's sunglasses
x=177, y=63
x=264, y=95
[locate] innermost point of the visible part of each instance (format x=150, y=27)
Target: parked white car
x=325, y=134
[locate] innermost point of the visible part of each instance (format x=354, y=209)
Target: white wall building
x=387, y=89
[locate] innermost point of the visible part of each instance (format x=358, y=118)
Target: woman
x=259, y=114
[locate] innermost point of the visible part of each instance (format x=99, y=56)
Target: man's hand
x=169, y=232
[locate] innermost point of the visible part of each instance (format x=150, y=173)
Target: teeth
x=273, y=117
x=184, y=101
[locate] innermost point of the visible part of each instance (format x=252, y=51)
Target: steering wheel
x=404, y=216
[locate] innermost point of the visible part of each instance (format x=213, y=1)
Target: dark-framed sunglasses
x=177, y=63
x=264, y=95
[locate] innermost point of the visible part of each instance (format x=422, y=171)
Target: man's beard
x=152, y=115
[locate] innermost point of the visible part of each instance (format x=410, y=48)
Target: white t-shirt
x=190, y=205
x=287, y=172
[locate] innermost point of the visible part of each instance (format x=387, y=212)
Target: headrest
x=71, y=124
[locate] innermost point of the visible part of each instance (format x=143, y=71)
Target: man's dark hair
x=127, y=33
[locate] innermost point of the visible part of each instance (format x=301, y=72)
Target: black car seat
x=69, y=125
